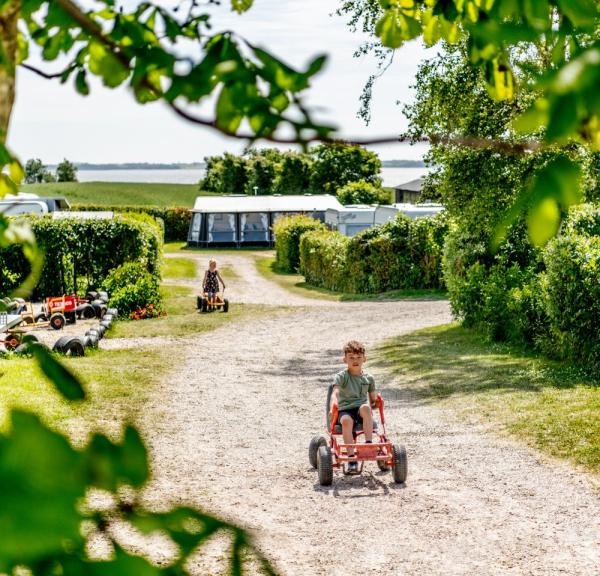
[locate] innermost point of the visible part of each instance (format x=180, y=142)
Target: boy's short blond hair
x=354, y=347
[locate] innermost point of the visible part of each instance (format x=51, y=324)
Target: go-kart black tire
x=325, y=466
x=199, y=302
x=71, y=317
x=204, y=307
x=57, y=321
x=315, y=443
x=400, y=463
x=41, y=317
x=225, y=305
x=74, y=346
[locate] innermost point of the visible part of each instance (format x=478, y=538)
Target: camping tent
x=248, y=220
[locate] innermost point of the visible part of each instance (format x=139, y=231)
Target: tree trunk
x=9, y=16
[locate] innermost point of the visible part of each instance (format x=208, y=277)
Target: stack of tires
x=96, y=307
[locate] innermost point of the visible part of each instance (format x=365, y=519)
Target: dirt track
x=230, y=434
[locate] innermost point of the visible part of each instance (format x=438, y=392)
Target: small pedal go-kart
x=206, y=304
x=327, y=453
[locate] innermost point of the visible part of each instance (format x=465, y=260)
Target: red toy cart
x=328, y=452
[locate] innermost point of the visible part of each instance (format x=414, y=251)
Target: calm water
x=391, y=176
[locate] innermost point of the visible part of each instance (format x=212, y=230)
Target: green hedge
x=573, y=296
x=79, y=254
x=176, y=219
x=323, y=259
x=288, y=231
x=403, y=253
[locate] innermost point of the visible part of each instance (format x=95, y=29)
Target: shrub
x=362, y=192
x=323, y=259
x=573, y=296
x=176, y=219
x=80, y=253
x=131, y=287
x=288, y=231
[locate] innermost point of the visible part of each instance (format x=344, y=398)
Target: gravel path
x=230, y=433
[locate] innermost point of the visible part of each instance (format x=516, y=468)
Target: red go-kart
x=328, y=452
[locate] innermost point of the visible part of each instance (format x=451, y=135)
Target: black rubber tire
x=22, y=349
x=225, y=305
x=20, y=300
x=91, y=296
x=71, y=317
x=315, y=443
x=101, y=330
x=12, y=342
x=90, y=341
x=108, y=317
x=74, y=346
x=113, y=311
x=325, y=466
x=383, y=466
x=204, y=305
x=103, y=296
x=198, y=302
x=400, y=463
x=58, y=345
x=99, y=309
x=106, y=323
x=41, y=317
x=86, y=311
x=57, y=321
x=12, y=306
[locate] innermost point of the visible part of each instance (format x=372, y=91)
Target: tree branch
x=46, y=74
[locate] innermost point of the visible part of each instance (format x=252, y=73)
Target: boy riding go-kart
x=349, y=419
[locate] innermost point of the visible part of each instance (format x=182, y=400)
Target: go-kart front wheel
x=325, y=466
x=225, y=305
x=315, y=443
x=399, y=464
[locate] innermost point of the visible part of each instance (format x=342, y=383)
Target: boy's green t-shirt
x=353, y=389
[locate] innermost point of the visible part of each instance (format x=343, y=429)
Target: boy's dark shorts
x=353, y=413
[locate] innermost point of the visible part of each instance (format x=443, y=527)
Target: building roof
x=412, y=186
x=53, y=202
x=242, y=203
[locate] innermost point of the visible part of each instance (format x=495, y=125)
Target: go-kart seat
x=338, y=427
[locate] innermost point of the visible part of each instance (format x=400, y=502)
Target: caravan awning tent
x=218, y=220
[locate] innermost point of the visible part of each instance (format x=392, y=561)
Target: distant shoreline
x=85, y=166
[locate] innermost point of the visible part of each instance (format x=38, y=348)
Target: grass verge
x=117, y=382
x=183, y=319
x=296, y=283
x=179, y=268
x=553, y=406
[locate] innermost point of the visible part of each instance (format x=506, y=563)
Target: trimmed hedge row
x=400, y=254
x=176, y=220
x=288, y=231
x=79, y=254
x=548, y=299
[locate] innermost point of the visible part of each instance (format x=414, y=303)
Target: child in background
x=210, y=284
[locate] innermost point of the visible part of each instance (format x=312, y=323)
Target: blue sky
x=52, y=121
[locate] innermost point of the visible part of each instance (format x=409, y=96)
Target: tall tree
x=66, y=171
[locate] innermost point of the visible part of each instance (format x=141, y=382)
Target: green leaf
x=537, y=13
x=533, y=118
x=389, y=29
x=81, y=84
x=583, y=13
x=42, y=483
x=105, y=64
x=563, y=119
x=241, y=5
x=134, y=465
x=64, y=381
x=543, y=221
x=228, y=117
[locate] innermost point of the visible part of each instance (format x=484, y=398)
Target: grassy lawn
x=183, y=319
x=296, y=283
x=179, y=268
x=120, y=193
x=117, y=382
x=553, y=406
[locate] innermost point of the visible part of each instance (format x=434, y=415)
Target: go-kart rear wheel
x=204, y=307
x=399, y=464
x=325, y=466
x=199, y=302
x=225, y=305
x=57, y=321
x=315, y=443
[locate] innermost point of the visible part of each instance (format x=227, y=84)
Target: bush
x=131, y=287
x=288, y=231
x=362, y=192
x=573, y=296
x=403, y=253
x=323, y=259
x=80, y=253
x=176, y=219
